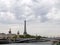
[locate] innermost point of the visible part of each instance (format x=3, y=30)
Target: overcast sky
x=42, y=16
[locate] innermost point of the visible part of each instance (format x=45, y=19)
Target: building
x=3, y=36
x=10, y=35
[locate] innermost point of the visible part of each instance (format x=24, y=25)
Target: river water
x=38, y=43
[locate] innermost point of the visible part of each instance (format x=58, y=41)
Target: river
x=38, y=43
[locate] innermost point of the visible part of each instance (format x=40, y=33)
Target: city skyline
x=42, y=16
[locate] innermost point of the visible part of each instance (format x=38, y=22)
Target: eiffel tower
x=25, y=33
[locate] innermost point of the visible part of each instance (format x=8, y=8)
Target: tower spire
x=18, y=36
x=10, y=31
x=18, y=32
x=25, y=27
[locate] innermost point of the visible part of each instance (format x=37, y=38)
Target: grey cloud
x=37, y=8
x=3, y=7
x=41, y=10
x=57, y=5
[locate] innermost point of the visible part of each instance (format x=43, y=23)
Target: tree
x=38, y=37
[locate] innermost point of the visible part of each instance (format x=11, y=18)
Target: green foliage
x=29, y=36
x=21, y=36
x=26, y=36
x=38, y=37
x=15, y=36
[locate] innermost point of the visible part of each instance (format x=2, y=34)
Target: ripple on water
x=38, y=43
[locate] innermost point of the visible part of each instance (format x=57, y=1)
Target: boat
x=58, y=43
x=4, y=41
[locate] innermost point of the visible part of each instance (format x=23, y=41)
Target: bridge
x=25, y=40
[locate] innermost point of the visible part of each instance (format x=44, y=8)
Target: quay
x=28, y=40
